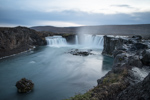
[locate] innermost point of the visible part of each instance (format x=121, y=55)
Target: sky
x=65, y=13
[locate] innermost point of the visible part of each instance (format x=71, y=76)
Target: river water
x=56, y=73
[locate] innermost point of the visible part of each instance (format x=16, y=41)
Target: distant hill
x=55, y=29
x=142, y=29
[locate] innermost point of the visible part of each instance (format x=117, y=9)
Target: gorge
x=59, y=74
x=55, y=72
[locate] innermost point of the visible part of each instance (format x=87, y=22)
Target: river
x=56, y=73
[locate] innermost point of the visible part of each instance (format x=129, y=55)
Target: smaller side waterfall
x=56, y=41
x=76, y=40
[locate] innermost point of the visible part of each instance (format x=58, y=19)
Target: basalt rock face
x=139, y=91
x=15, y=40
x=146, y=57
x=111, y=44
x=70, y=38
x=129, y=53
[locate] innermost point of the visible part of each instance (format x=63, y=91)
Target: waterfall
x=56, y=41
x=76, y=40
x=93, y=40
x=86, y=40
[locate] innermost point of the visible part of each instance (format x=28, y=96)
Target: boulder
x=116, y=52
x=139, y=91
x=135, y=61
x=146, y=57
x=138, y=46
x=80, y=52
x=120, y=60
x=24, y=85
x=137, y=37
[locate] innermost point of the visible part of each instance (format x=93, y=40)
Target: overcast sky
x=73, y=12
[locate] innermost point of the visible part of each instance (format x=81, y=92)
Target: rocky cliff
x=131, y=56
x=126, y=80
x=139, y=91
x=18, y=39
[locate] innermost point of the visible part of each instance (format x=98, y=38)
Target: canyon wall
x=18, y=39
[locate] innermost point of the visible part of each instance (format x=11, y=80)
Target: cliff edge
x=18, y=39
x=130, y=75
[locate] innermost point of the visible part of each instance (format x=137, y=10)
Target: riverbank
x=18, y=39
x=21, y=39
x=130, y=68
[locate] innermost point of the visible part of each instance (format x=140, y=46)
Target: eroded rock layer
x=15, y=40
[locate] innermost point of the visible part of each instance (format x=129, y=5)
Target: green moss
x=114, y=77
x=120, y=59
x=66, y=34
x=111, y=84
x=86, y=96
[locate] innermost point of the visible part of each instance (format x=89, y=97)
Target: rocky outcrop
x=125, y=80
x=70, y=38
x=78, y=52
x=15, y=40
x=146, y=57
x=114, y=45
x=139, y=91
x=24, y=85
x=111, y=44
x=129, y=54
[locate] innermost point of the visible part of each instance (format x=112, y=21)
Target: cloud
x=90, y=6
x=69, y=18
x=56, y=23
x=126, y=6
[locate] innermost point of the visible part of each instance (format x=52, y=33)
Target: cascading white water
x=56, y=41
x=76, y=40
x=93, y=40
x=86, y=40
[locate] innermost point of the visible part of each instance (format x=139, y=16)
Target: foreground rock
x=18, y=39
x=139, y=91
x=24, y=85
x=78, y=52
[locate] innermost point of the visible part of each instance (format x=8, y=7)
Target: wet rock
x=24, y=85
x=146, y=57
x=139, y=91
x=78, y=52
x=137, y=37
x=116, y=52
x=120, y=60
x=138, y=46
x=109, y=45
x=112, y=43
x=70, y=38
x=135, y=61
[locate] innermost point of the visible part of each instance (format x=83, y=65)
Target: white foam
x=56, y=41
x=32, y=62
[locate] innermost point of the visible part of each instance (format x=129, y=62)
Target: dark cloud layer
x=127, y=6
x=29, y=18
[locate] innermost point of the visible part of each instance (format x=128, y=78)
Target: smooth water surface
x=56, y=74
